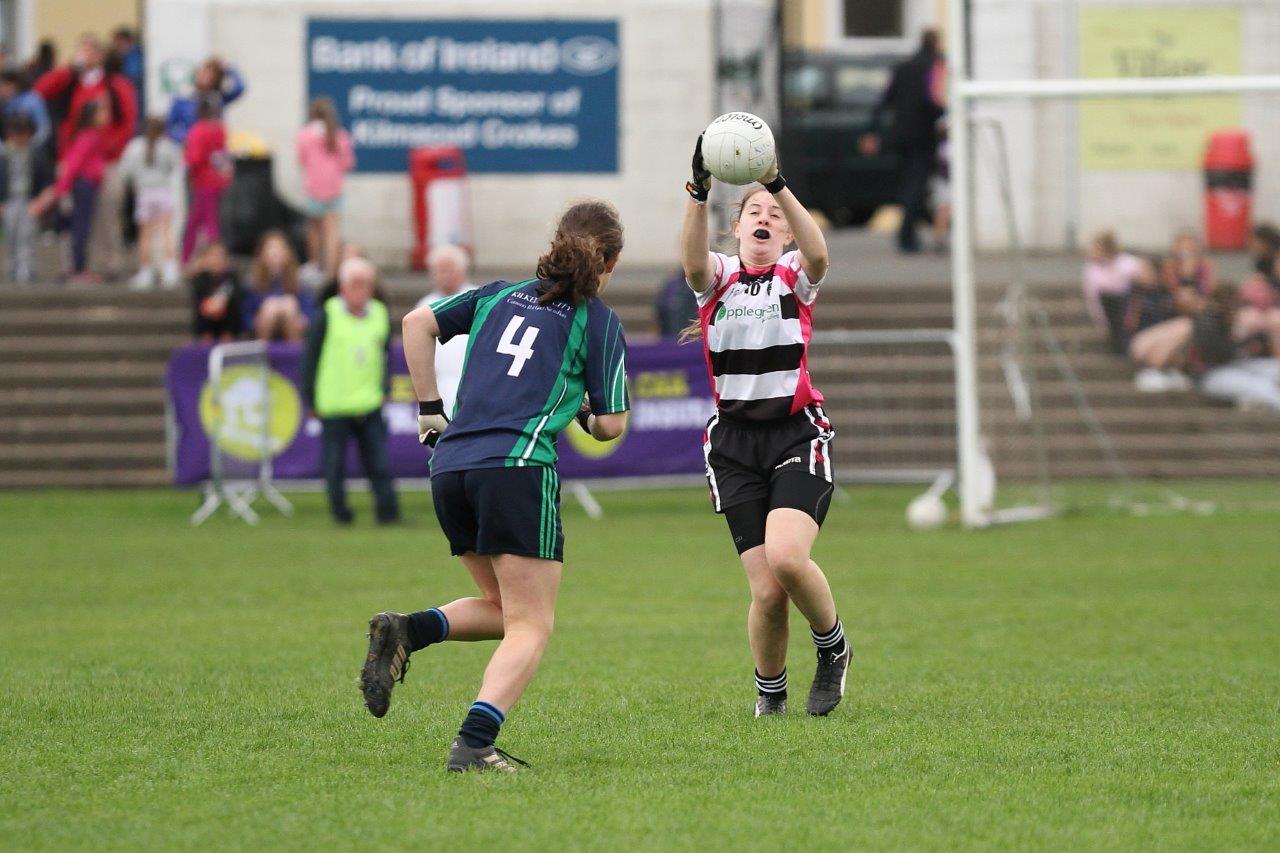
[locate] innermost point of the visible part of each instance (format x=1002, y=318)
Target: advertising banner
x=1161, y=41
x=670, y=396
x=515, y=96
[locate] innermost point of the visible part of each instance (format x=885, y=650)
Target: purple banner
x=670, y=397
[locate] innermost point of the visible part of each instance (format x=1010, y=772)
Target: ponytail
x=588, y=238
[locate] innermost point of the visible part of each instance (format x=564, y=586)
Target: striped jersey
x=526, y=368
x=756, y=326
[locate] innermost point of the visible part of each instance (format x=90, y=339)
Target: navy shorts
x=492, y=511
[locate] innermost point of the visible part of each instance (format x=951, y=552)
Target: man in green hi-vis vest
x=344, y=381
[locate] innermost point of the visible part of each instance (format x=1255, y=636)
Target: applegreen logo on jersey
x=763, y=313
x=243, y=427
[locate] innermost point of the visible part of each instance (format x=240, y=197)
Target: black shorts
x=756, y=467
x=501, y=511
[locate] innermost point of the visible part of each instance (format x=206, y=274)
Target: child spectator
x=344, y=381
x=25, y=172
x=216, y=296
x=274, y=306
x=1158, y=337
x=19, y=99
x=1108, y=274
x=214, y=82
x=151, y=164
x=209, y=174
x=1264, y=246
x=80, y=174
x=1188, y=267
x=325, y=154
x=1231, y=368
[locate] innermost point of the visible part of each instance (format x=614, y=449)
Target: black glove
x=584, y=418
x=700, y=186
x=431, y=421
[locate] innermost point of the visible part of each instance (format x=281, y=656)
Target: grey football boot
x=828, y=681
x=770, y=704
x=386, y=662
x=463, y=758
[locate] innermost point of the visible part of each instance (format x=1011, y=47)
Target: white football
x=926, y=512
x=737, y=148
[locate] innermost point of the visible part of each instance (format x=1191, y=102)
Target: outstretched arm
x=695, y=256
x=807, y=234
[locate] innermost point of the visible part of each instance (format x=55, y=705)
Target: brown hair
x=260, y=276
x=322, y=110
x=1107, y=243
x=588, y=238
x=153, y=130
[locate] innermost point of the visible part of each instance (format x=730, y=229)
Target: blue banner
x=515, y=96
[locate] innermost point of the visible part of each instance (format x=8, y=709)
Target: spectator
x=1106, y=281
x=1188, y=267
x=25, y=172
x=448, y=267
x=345, y=378
x=216, y=296
x=348, y=249
x=1258, y=314
x=80, y=174
x=66, y=91
x=150, y=165
x=1264, y=245
x=911, y=97
x=274, y=307
x=208, y=175
x=45, y=60
x=1231, y=368
x=128, y=55
x=215, y=82
x=1158, y=336
x=677, y=305
x=19, y=99
x=325, y=154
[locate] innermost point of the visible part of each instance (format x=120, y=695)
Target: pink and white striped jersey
x=756, y=327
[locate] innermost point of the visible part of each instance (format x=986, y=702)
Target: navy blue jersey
x=525, y=373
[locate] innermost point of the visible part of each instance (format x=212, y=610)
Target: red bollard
x=441, y=208
x=1228, y=190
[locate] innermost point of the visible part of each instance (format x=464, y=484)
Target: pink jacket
x=1113, y=276
x=323, y=170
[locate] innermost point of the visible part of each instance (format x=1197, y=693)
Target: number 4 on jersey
x=520, y=352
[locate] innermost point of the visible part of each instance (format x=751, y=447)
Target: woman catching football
x=767, y=446
x=535, y=347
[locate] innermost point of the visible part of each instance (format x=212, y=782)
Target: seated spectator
x=275, y=309
x=676, y=307
x=216, y=296
x=1231, y=368
x=1264, y=246
x=1158, y=336
x=1108, y=274
x=25, y=172
x=216, y=83
x=1188, y=267
x=150, y=165
x=345, y=377
x=18, y=99
x=1258, y=315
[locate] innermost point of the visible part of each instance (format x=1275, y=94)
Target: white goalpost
x=972, y=463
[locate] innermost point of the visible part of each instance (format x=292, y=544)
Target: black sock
x=482, y=725
x=427, y=627
x=829, y=641
x=775, y=686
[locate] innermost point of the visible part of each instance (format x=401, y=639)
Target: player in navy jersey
x=535, y=349
x=767, y=448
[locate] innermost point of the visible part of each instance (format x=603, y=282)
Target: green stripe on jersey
x=536, y=445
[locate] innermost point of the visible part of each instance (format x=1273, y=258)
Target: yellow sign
x=1156, y=133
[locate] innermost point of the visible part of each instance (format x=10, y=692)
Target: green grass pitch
x=1096, y=681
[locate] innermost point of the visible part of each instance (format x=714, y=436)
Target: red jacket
x=65, y=84
x=208, y=164
x=84, y=158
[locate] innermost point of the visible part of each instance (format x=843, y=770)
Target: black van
x=827, y=100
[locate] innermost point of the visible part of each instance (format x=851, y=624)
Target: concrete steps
x=82, y=398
